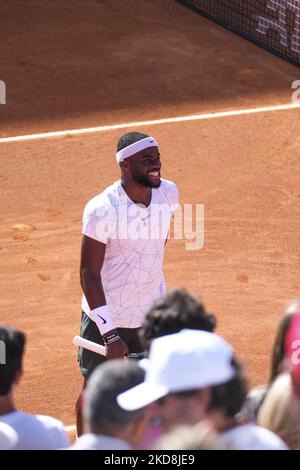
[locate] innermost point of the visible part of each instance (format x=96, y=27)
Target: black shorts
x=88, y=360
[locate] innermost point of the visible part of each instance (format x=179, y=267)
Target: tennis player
x=124, y=233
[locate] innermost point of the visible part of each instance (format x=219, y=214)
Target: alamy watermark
x=295, y=357
x=2, y=92
x=296, y=94
x=156, y=222
x=289, y=36
x=2, y=352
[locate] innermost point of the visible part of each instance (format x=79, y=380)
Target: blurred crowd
x=189, y=392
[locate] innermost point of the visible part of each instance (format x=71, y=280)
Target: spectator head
x=190, y=375
x=280, y=344
x=280, y=411
x=228, y=398
x=102, y=414
x=173, y=312
x=12, y=347
x=219, y=401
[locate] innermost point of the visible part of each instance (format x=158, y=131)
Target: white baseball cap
x=8, y=437
x=189, y=360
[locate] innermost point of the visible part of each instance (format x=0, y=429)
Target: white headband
x=135, y=148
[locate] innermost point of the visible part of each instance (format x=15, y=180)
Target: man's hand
x=115, y=348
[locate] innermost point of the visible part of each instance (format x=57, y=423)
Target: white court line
x=193, y=117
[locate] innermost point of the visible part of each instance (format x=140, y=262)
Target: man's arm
x=92, y=257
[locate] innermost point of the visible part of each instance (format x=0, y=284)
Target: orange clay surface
x=66, y=67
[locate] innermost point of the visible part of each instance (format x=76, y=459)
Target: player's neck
x=7, y=404
x=137, y=193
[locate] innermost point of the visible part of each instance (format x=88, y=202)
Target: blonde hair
x=280, y=411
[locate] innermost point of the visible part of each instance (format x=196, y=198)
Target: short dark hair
x=111, y=378
x=14, y=343
x=228, y=398
x=130, y=138
x=174, y=312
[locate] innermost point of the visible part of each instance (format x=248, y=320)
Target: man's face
x=182, y=409
x=145, y=166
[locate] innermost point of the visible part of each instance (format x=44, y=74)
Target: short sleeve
x=99, y=223
x=175, y=198
x=171, y=194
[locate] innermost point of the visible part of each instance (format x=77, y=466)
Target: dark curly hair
x=174, y=312
x=228, y=398
x=130, y=138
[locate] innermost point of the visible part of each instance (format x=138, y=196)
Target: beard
x=145, y=181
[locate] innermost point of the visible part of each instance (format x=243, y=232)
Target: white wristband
x=102, y=317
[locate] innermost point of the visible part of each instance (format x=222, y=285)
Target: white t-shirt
x=135, y=236
x=8, y=437
x=99, y=442
x=36, y=432
x=252, y=437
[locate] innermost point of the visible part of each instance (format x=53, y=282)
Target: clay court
x=68, y=68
